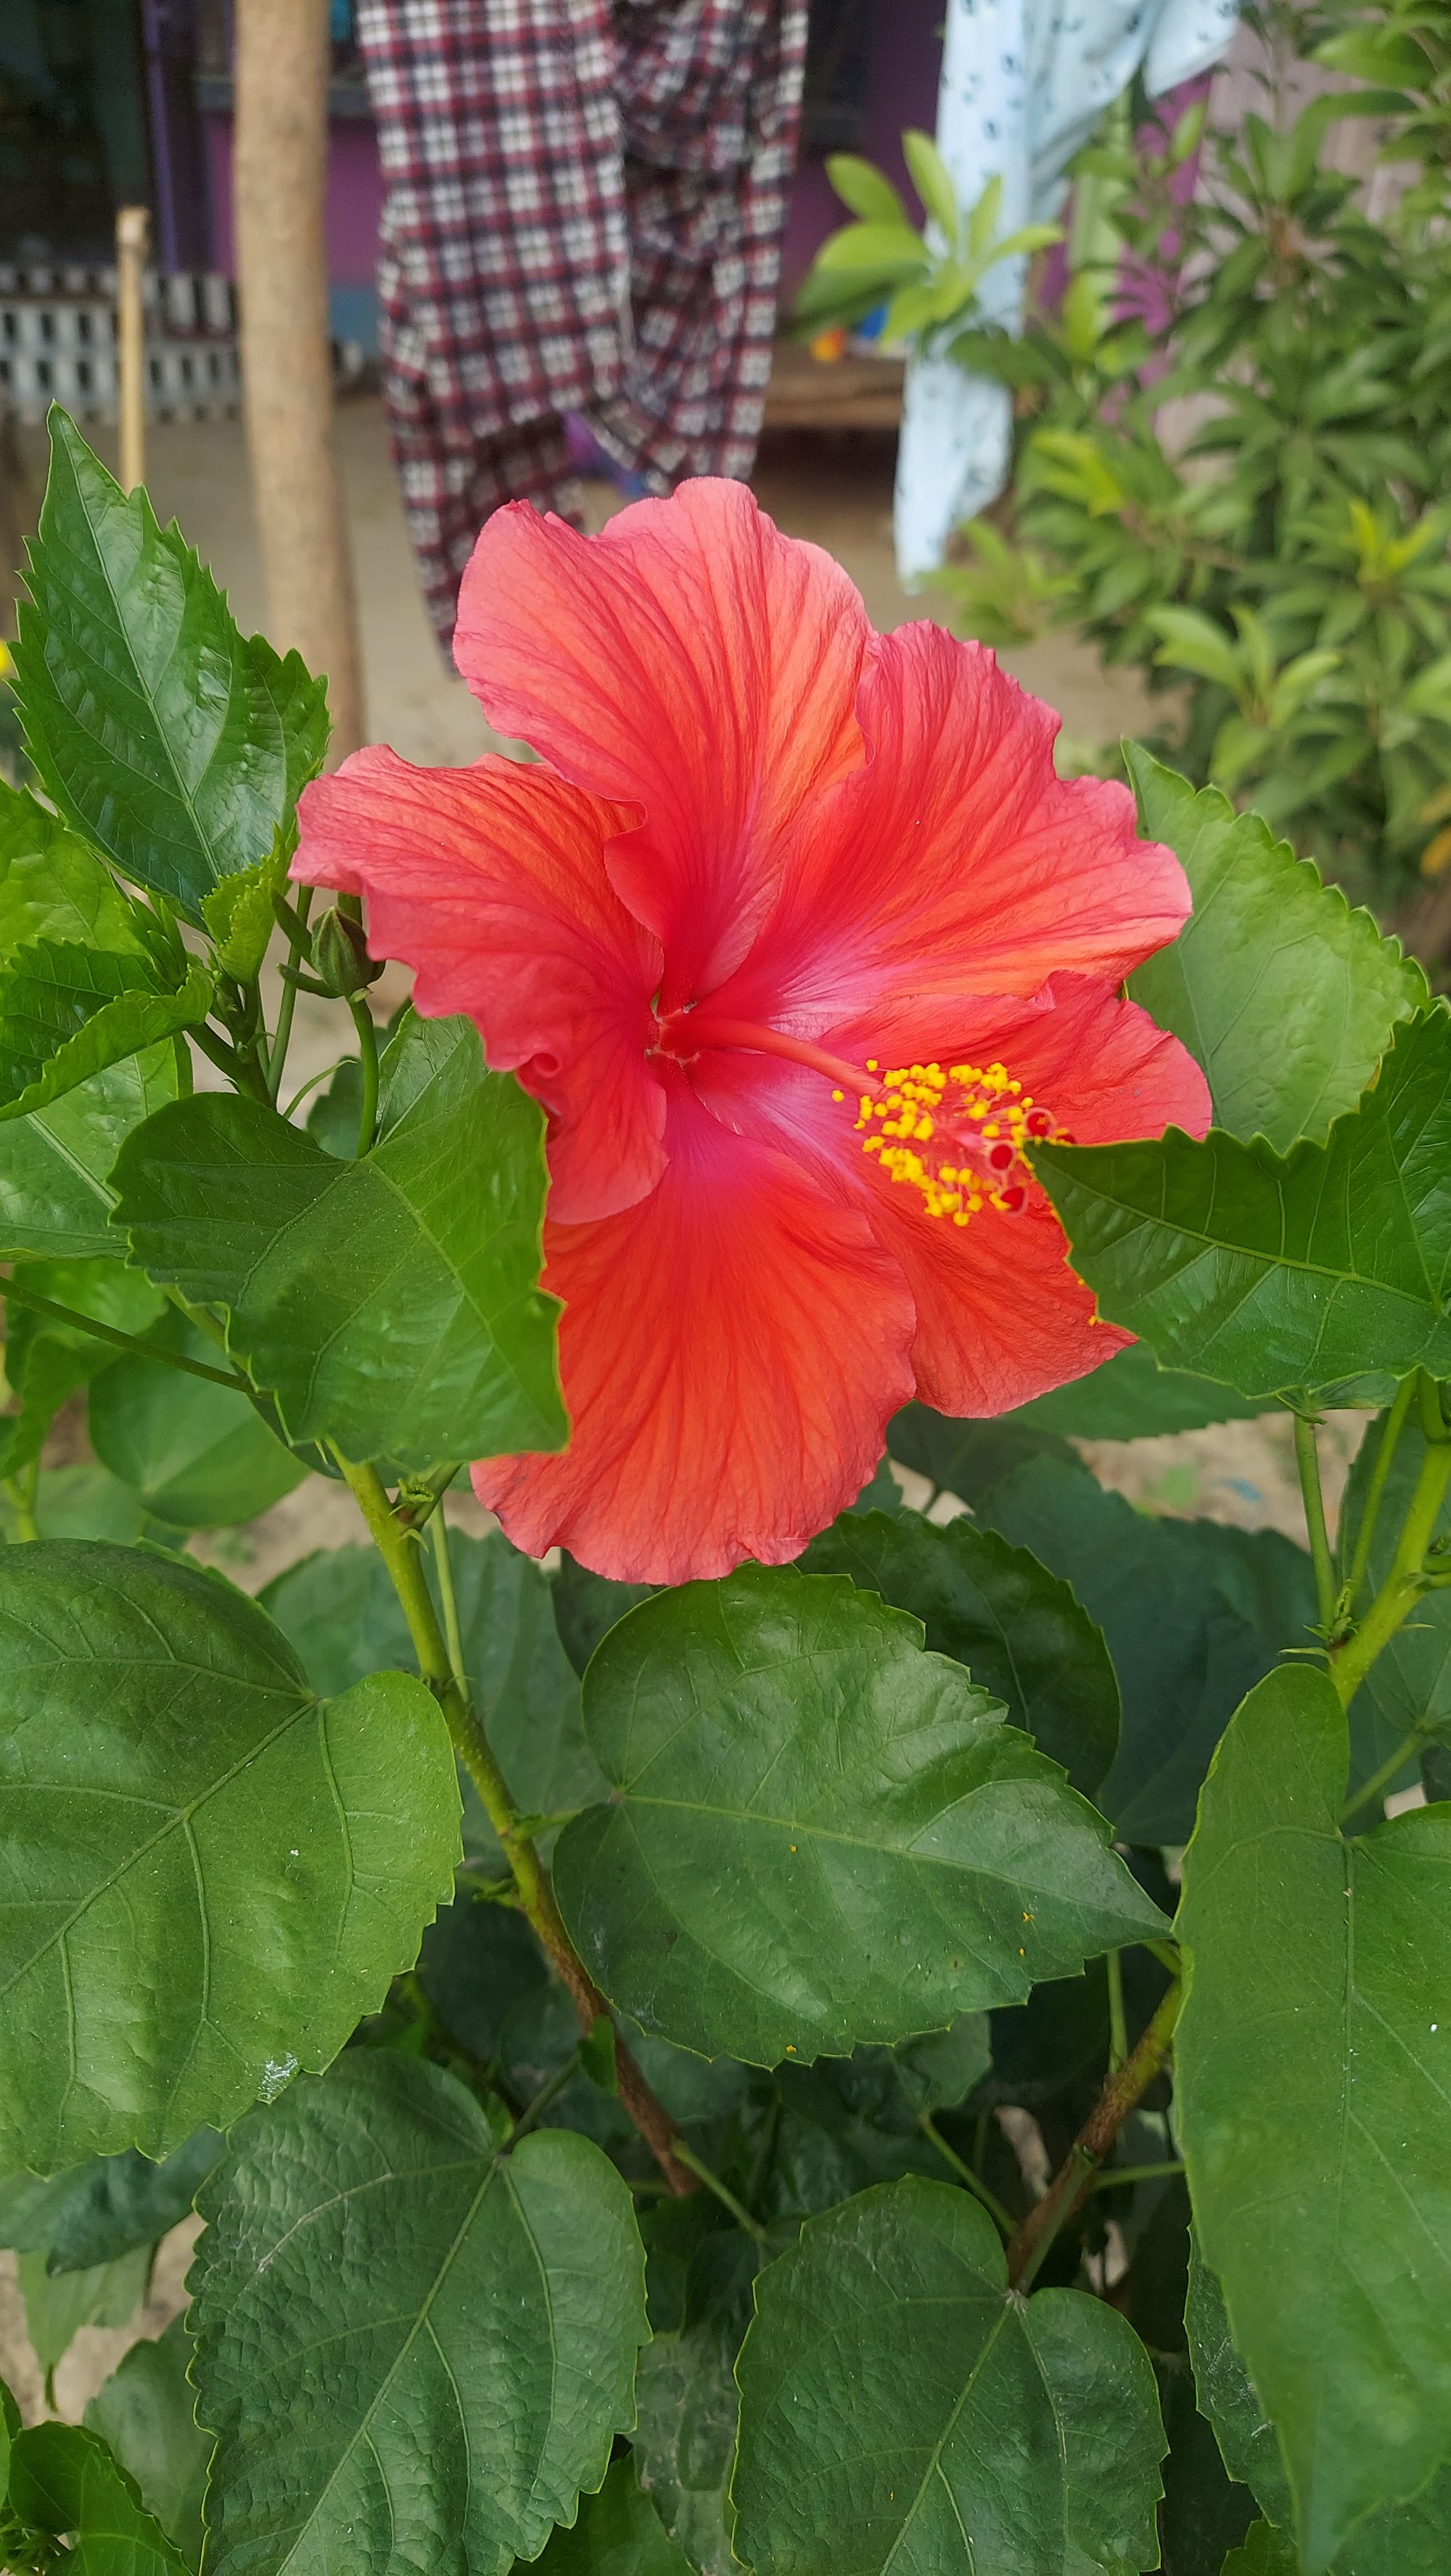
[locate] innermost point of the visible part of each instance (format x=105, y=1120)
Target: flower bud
x=341, y=957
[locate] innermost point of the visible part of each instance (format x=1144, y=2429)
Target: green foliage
x=55, y=1162
x=63, y=2480
x=167, y=741
x=894, y=2391
x=106, y=2207
x=198, y=1455
x=1321, y=2051
x=917, y=1858
x=387, y=1305
x=414, y=2351
x=216, y=1873
x=145, y=2412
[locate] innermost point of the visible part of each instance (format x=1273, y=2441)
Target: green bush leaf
x=172, y=743
x=145, y=2411
x=1313, y=2046
x=1285, y=995
x=1284, y=1276
x=55, y=1163
x=46, y=1360
x=105, y=2207
x=214, y=1875
x=967, y=1458
x=68, y=1013
x=342, y=1615
x=901, y=2408
x=619, y=2533
x=819, y=1835
x=198, y=1455
x=391, y=1305
x=1132, y=1398
x=415, y=2352
x=1019, y=1630
x=59, y=2304
x=1226, y=1602
x=53, y=887
x=63, y=2480
x=865, y=190
x=587, y=1606
x=685, y=2440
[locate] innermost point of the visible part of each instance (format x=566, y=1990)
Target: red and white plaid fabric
x=584, y=214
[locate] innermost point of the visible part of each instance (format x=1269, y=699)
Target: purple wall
x=354, y=198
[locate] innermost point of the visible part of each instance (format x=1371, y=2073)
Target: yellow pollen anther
x=976, y=1109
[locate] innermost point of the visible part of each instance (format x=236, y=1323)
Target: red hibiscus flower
x=799, y=940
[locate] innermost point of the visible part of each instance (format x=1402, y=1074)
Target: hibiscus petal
x=956, y=862
x=732, y=1349
x=689, y=658
x=490, y=882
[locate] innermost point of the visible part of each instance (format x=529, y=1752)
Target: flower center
x=956, y=1134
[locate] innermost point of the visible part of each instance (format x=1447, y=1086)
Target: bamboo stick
x=133, y=240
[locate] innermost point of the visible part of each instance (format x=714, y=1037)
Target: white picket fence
x=58, y=344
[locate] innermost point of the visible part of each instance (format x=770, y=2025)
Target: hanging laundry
x=584, y=216
x=1023, y=84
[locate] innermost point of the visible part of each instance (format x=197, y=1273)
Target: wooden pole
x=133, y=240
x=279, y=176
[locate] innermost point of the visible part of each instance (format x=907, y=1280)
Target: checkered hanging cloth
x=585, y=208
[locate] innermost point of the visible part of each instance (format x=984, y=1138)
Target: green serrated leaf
x=171, y=741
x=46, y=1360
x=1293, y=1275
x=1284, y=995
x=1226, y=1602
x=199, y=1456
x=55, y=1198
x=63, y=2481
x=215, y=1874
x=390, y=1305
x=619, y=2533
x=68, y=1013
x=685, y=2439
x=902, y=2409
x=106, y=2207
x=1132, y=1398
x=239, y=913
x=145, y=2411
x=819, y=1835
x=1018, y=1629
x=59, y=2304
x=1313, y=2043
x=52, y=886
x=380, y=2294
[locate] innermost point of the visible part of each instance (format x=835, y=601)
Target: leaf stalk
x=1078, y=2173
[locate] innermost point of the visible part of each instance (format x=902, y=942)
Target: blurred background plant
x=1232, y=459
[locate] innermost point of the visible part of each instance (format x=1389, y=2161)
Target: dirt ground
x=836, y=491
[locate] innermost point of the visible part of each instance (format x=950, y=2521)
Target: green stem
x=1167, y=1953
x=1307, y=1459
x=1074, y=2179
x=1109, y=2177
x=533, y=2112
x=1380, y=1476
x=449, y=1598
x=368, y=1043
x=686, y=2155
x=20, y=1492
x=242, y=1071
x=1118, y=2029
x=123, y=1341
x=402, y=1554
x=1404, y=1583
x=296, y=927
x=1002, y=2217
x=1372, y=1792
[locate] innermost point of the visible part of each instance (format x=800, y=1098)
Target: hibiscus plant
x=829, y=1997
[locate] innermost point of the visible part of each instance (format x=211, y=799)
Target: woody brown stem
x=1074, y=2179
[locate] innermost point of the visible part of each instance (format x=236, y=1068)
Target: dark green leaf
x=819, y=1835
x=64, y=2480
x=1286, y=997
x=902, y=2409
x=967, y=1458
x=586, y=1607
x=1224, y=1604
x=391, y=1305
x=1313, y=2105
x=88, y=1502
x=1204, y=2514
x=146, y=2412
x=415, y=2352
x=55, y=1163
x=165, y=737
x=52, y=886
x=1132, y=1398
x=68, y=1013
x=1018, y=1629
x=1265, y=2552
x=685, y=2439
x=198, y=1455
x=105, y=2207
x=214, y=1876
x=46, y=1360
x=1294, y=1275
x=619, y=2533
